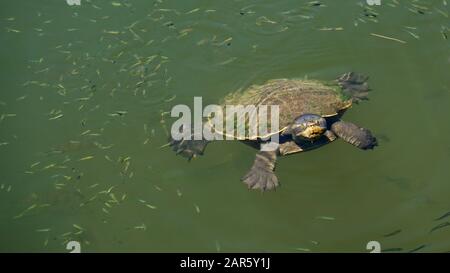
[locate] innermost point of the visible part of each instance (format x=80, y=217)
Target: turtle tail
x=355, y=86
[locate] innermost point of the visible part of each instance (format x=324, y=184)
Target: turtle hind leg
x=355, y=86
x=261, y=175
x=188, y=148
x=353, y=134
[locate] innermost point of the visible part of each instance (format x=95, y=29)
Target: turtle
x=310, y=113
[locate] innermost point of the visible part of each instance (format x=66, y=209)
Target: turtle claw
x=355, y=85
x=188, y=148
x=262, y=179
x=352, y=77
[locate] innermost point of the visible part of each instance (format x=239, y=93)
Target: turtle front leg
x=355, y=135
x=261, y=175
x=188, y=148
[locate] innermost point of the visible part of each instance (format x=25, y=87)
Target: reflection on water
x=85, y=106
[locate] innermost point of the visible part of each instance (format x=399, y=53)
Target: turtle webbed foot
x=188, y=148
x=260, y=179
x=261, y=175
x=354, y=85
x=355, y=135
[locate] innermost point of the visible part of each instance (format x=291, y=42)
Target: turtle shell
x=294, y=97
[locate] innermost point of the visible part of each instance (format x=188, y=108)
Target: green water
x=84, y=99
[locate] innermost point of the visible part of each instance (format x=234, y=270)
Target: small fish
x=66, y=234
x=12, y=30
x=86, y=158
x=35, y=164
x=49, y=166
x=226, y=41
x=127, y=165
x=197, y=208
x=326, y=218
x=417, y=248
x=43, y=230
x=393, y=233
x=264, y=19
x=388, y=38
x=315, y=4
x=192, y=11
x=444, y=35
x=395, y=249
x=442, y=225
x=113, y=197
x=413, y=34
x=31, y=207
x=77, y=227
x=331, y=28
x=217, y=246
x=56, y=117
x=443, y=216
x=441, y=12
x=303, y=249
x=143, y=227
x=171, y=99
x=25, y=211
x=110, y=189
x=230, y=60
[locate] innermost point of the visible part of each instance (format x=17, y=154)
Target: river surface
x=85, y=108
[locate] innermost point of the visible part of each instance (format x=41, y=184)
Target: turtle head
x=308, y=126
